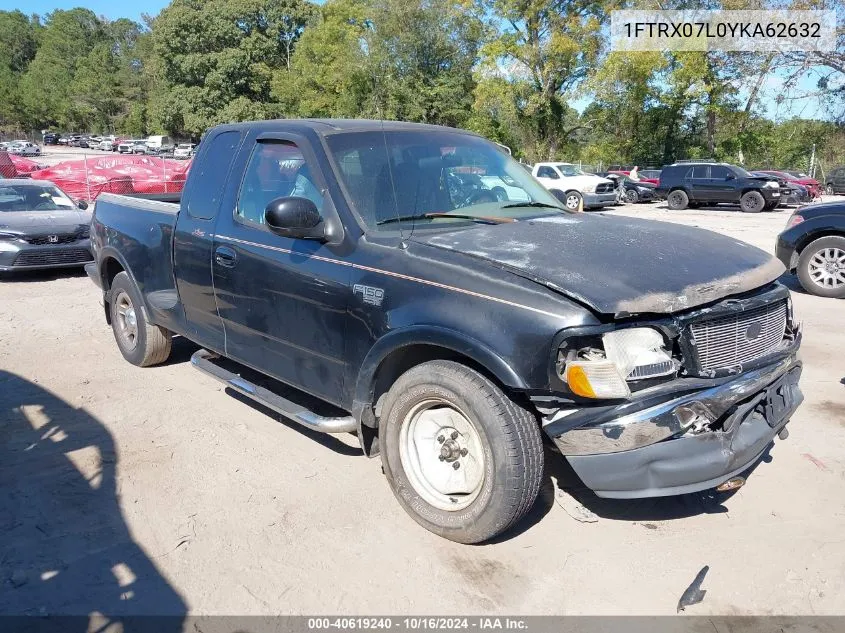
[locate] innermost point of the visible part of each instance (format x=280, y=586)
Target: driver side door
x=283, y=301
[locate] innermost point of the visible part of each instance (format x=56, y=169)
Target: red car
x=811, y=184
x=643, y=176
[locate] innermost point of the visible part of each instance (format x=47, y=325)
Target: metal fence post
x=87, y=179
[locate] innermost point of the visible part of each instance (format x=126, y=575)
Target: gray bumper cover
x=687, y=462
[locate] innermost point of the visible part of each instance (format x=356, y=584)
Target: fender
x=429, y=335
x=110, y=252
x=817, y=227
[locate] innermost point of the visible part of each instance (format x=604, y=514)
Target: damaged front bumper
x=683, y=443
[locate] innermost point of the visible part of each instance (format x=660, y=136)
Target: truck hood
x=39, y=222
x=619, y=266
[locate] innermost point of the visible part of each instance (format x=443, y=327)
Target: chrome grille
x=604, y=187
x=736, y=339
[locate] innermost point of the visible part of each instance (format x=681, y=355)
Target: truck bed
x=139, y=238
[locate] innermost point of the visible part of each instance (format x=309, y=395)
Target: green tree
x=539, y=57
x=213, y=61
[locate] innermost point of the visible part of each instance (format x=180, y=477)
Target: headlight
x=8, y=237
x=588, y=189
x=626, y=355
x=771, y=184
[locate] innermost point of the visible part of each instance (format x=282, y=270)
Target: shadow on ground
x=35, y=276
x=65, y=549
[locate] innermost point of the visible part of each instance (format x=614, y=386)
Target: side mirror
x=295, y=217
x=82, y=205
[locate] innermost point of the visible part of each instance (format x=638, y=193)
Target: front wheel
x=141, y=343
x=752, y=202
x=463, y=459
x=821, y=267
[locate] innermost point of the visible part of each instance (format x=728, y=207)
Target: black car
x=813, y=246
x=791, y=192
x=707, y=184
x=451, y=329
x=51, y=138
x=633, y=191
x=835, y=181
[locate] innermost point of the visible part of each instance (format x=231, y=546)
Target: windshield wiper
x=533, y=203
x=429, y=216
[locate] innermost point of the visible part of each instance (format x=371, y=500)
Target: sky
x=112, y=9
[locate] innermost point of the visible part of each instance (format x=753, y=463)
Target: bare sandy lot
x=126, y=490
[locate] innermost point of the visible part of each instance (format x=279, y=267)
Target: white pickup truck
x=570, y=185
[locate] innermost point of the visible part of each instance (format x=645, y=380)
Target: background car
x=810, y=184
x=692, y=184
x=51, y=138
x=41, y=227
x=183, y=151
x=835, y=181
x=813, y=246
x=24, y=148
x=126, y=146
x=791, y=191
x=140, y=147
x=634, y=191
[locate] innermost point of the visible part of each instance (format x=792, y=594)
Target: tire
x=141, y=343
x=677, y=200
x=499, y=446
x=500, y=193
x=822, y=262
x=752, y=202
x=572, y=200
x=828, y=189
x=631, y=196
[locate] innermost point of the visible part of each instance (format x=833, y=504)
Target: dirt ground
x=127, y=490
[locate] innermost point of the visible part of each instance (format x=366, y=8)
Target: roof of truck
x=352, y=125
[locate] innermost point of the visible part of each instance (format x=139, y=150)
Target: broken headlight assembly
x=610, y=364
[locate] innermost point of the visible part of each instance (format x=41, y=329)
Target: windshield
x=569, y=170
x=33, y=198
x=405, y=178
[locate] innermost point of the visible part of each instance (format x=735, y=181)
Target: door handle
x=225, y=256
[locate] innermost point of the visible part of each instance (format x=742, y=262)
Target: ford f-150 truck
x=334, y=272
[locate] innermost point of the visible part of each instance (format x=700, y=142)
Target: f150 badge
x=371, y=295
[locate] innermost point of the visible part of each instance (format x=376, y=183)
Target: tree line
x=512, y=70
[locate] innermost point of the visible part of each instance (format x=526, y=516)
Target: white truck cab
x=571, y=185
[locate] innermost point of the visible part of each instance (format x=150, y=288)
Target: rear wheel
x=140, y=342
x=632, y=196
x=752, y=202
x=463, y=459
x=821, y=267
x=678, y=200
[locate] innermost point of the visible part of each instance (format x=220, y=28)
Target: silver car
x=24, y=148
x=41, y=227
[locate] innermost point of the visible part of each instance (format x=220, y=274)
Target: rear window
x=209, y=181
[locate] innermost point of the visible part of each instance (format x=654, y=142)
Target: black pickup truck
x=414, y=285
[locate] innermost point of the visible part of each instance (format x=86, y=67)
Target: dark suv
x=704, y=184
x=835, y=181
